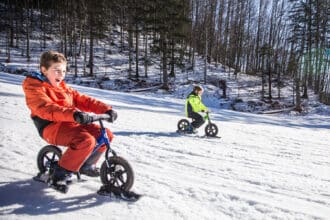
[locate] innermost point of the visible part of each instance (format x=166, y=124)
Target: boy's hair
x=49, y=57
x=198, y=88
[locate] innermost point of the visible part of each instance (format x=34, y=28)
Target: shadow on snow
x=30, y=198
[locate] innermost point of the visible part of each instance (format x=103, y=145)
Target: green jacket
x=194, y=104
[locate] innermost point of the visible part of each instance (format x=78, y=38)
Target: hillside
x=242, y=93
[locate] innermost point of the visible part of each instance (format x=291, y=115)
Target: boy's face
x=55, y=73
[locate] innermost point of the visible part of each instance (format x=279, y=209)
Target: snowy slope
x=263, y=167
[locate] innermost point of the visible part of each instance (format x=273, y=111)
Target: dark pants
x=198, y=120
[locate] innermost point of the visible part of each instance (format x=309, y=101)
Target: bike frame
x=104, y=139
x=206, y=117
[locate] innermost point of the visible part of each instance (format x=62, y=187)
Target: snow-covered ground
x=263, y=167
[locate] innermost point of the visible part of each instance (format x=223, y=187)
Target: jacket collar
x=193, y=94
x=36, y=75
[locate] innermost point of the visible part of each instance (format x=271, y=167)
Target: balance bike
x=116, y=173
x=211, y=129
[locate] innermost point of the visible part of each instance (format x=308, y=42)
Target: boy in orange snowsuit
x=61, y=116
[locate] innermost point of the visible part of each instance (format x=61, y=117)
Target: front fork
x=206, y=117
x=104, y=139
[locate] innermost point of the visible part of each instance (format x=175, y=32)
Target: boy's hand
x=113, y=115
x=82, y=117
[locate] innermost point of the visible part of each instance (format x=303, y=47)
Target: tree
x=169, y=23
x=97, y=22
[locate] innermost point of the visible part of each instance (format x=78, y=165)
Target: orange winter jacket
x=50, y=104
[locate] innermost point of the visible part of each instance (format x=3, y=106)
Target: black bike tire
x=43, y=152
x=114, y=161
x=211, y=130
x=181, y=125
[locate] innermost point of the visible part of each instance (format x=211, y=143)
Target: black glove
x=113, y=115
x=82, y=117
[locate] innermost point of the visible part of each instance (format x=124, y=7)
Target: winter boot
x=89, y=168
x=191, y=130
x=60, y=176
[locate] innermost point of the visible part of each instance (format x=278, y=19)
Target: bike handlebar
x=100, y=117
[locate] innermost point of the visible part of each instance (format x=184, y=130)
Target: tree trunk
x=91, y=52
x=172, y=73
x=85, y=55
x=28, y=28
x=164, y=59
x=297, y=91
x=136, y=52
x=205, y=57
x=257, y=49
x=130, y=45
x=146, y=58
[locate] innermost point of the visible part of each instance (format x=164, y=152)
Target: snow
x=263, y=167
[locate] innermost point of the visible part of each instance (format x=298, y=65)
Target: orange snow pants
x=80, y=140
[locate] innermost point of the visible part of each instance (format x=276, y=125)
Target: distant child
x=194, y=105
x=60, y=115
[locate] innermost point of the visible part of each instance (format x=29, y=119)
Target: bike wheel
x=183, y=125
x=119, y=174
x=211, y=130
x=46, y=156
